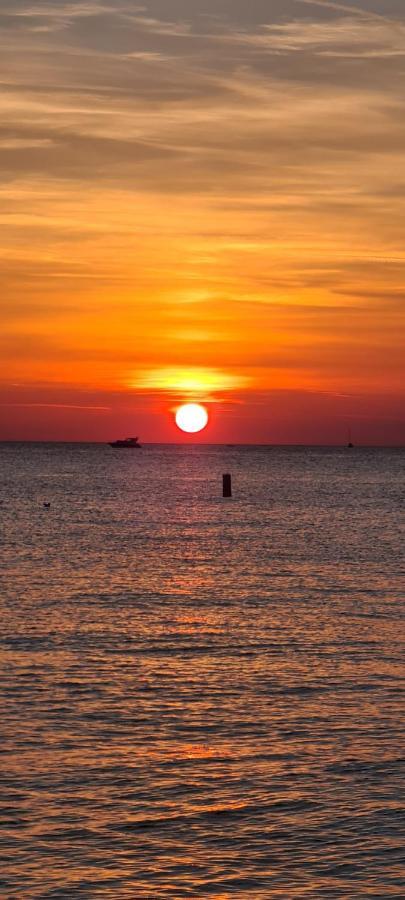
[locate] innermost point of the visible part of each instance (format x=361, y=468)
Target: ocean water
x=201, y=698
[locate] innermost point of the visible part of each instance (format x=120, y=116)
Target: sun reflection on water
x=198, y=696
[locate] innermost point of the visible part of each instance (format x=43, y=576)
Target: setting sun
x=191, y=417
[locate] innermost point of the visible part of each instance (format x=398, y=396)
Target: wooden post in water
x=226, y=486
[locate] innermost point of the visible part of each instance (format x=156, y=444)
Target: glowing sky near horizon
x=202, y=201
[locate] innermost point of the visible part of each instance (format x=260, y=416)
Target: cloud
x=344, y=7
x=362, y=37
x=187, y=380
x=54, y=406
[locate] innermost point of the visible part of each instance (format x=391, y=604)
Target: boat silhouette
x=130, y=443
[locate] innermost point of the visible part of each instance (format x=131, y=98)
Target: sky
x=202, y=200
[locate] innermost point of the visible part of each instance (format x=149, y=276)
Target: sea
x=201, y=697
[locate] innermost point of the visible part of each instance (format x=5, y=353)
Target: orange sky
x=202, y=200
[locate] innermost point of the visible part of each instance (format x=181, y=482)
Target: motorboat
x=131, y=443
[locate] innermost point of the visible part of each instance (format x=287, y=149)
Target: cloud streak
x=362, y=13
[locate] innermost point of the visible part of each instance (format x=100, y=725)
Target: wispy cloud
x=55, y=406
x=362, y=37
x=362, y=13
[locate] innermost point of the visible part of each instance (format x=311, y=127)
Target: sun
x=191, y=417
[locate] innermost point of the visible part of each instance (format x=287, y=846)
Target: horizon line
x=227, y=444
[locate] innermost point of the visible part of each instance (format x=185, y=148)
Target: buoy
x=226, y=485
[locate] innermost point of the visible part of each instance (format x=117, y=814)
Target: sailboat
x=349, y=441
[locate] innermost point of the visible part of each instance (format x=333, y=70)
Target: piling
x=226, y=486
